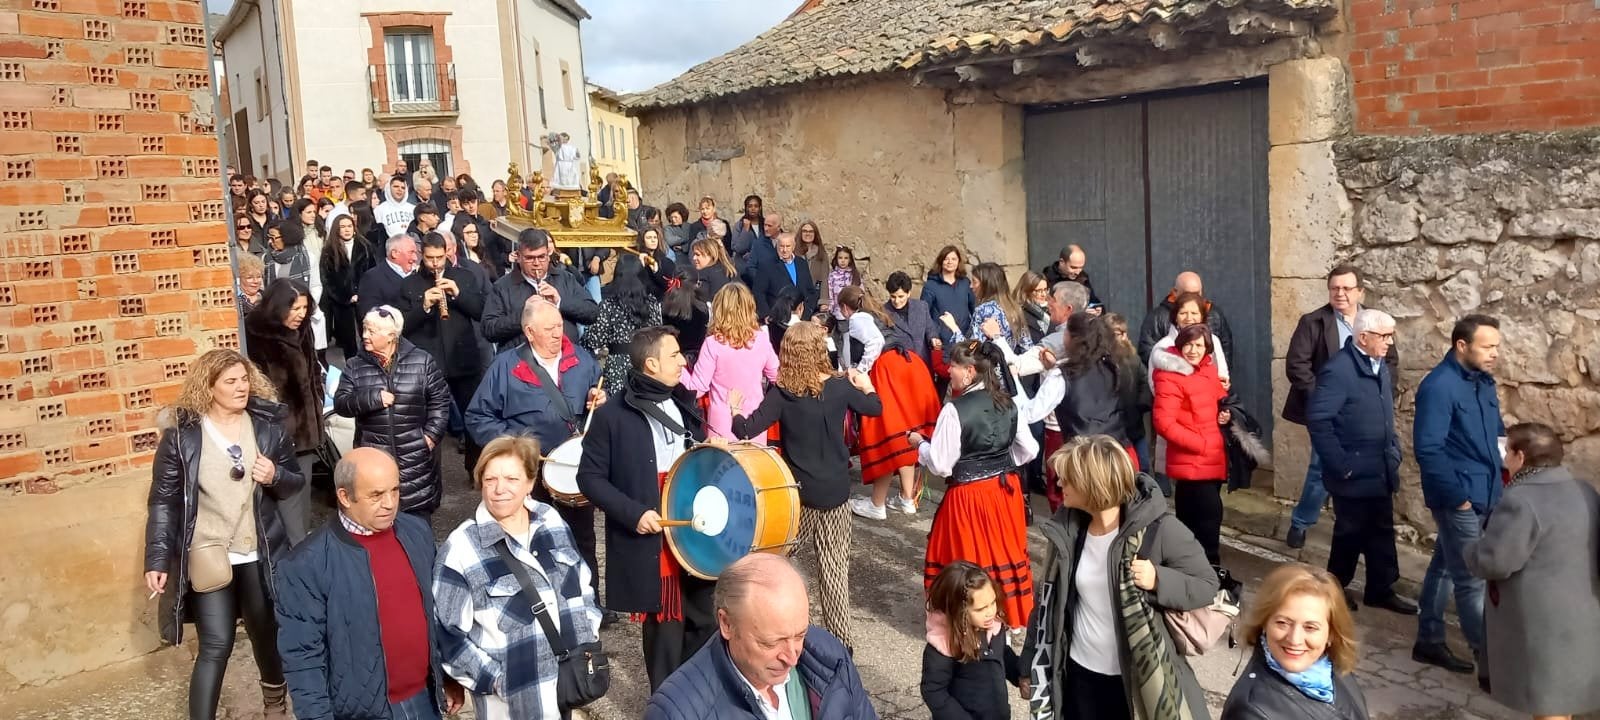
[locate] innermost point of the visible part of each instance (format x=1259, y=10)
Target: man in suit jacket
x=440, y=305
x=1351, y=422
x=789, y=270
x=381, y=284
x=538, y=272
x=1320, y=335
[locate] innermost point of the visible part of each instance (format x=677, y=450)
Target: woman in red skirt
x=910, y=403
x=978, y=443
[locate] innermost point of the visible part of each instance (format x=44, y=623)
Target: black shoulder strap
x=661, y=416
x=1149, y=538
x=548, y=383
x=531, y=595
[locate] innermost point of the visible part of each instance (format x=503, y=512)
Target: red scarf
x=671, y=589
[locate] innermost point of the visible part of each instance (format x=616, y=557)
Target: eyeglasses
x=236, y=453
x=1386, y=337
x=1342, y=289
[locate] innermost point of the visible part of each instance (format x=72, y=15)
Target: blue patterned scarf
x=1316, y=682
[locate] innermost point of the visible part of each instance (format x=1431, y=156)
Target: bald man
x=1069, y=267
x=766, y=661
x=359, y=588
x=1158, y=322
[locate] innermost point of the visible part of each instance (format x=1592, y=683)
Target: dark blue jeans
x=1312, y=496
x=1457, y=530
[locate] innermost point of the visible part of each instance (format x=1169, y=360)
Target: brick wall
x=114, y=274
x=1458, y=66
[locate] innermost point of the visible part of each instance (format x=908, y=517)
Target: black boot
x=1440, y=655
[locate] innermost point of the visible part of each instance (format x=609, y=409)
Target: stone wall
x=1507, y=225
x=889, y=169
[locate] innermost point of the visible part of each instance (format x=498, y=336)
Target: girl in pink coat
x=736, y=355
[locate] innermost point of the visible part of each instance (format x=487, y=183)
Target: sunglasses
x=236, y=453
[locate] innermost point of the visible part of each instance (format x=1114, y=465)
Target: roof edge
x=235, y=18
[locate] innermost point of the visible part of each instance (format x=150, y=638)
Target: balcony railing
x=403, y=89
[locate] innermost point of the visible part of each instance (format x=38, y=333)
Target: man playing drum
x=624, y=478
x=541, y=389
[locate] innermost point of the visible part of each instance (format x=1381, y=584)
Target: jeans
x=1312, y=496
x=215, y=615
x=1457, y=530
x=593, y=286
x=417, y=707
x=1141, y=447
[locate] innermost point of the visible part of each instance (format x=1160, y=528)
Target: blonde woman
x=1032, y=294
x=809, y=400
x=713, y=269
x=1099, y=646
x=736, y=355
x=251, y=278
x=1305, y=651
x=213, y=535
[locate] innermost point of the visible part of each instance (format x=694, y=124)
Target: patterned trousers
x=825, y=538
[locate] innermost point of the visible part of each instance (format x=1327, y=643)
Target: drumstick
x=600, y=357
x=677, y=523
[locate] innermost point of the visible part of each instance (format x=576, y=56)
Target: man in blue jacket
x=767, y=660
x=1456, y=439
x=355, y=606
x=1351, y=422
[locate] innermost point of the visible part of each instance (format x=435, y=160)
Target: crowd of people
x=715, y=330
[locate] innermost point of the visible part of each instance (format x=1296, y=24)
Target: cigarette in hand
x=153, y=594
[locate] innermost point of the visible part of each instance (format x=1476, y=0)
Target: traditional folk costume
x=979, y=446
x=624, y=481
x=910, y=402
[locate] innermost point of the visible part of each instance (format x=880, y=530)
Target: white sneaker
x=864, y=507
x=904, y=505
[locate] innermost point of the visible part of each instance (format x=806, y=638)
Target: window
x=566, y=84
x=623, y=147
x=538, y=77
x=600, y=131
x=613, y=142
x=263, y=101
x=413, y=74
x=436, y=151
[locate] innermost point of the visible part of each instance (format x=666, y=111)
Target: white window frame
x=412, y=71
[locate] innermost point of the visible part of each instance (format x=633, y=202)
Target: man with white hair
x=767, y=661
x=1350, y=418
x=381, y=285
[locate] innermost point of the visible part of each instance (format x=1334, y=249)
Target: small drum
x=560, y=473
x=737, y=500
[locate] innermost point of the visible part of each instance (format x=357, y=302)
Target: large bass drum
x=560, y=472
x=741, y=499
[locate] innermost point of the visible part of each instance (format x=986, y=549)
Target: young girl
x=967, y=662
x=736, y=355
x=844, y=274
x=910, y=405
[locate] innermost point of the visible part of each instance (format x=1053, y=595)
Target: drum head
x=709, y=486
x=560, y=469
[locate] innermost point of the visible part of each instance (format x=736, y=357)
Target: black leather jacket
x=174, y=501
x=1261, y=694
x=420, y=412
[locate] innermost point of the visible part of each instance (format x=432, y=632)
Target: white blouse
x=940, y=453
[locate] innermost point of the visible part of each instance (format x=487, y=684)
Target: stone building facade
x=904, y=139
x=114, y=274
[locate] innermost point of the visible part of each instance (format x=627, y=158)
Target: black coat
x=451, y=341
x=709, y=281
x=289, y=360
x=1052, y=275
x=339, y=284
x=503, y=301
x=1350, y=420
x=955, y=690
x=420, y=412
x=379, y=286
x=1093, y=403
x=174, y=502
x=771, y=278
x=1261, y=694
x=1158, y=322
x=618, y=474
x=1315, y=339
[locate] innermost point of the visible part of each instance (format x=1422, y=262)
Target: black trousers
x=461, y=390
x=669, y=644
x=1088, y=695
x=1365, y=526
x=215, y=616
x=1198, y=505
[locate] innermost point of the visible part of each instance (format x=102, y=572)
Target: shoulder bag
x=584, y=671
x=1195, y=632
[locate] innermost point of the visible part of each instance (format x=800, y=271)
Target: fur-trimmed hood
x=1170, y=360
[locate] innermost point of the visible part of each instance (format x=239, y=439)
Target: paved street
x=886, y=594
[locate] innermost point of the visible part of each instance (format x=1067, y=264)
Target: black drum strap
x=661, y=416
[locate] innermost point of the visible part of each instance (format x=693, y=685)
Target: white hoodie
x=395, y=215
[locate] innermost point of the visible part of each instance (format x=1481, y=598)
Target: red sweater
x=401, y=619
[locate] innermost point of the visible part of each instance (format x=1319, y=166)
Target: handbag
x=209, y=569
x=1195, y=632
x=584, y=672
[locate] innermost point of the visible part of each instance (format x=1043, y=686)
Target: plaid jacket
x=492, y=643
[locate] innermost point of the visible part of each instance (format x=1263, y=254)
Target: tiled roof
x=843, y=38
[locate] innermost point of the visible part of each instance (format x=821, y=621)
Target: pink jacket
x=721, y=369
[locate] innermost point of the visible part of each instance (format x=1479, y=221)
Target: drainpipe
x=522, y=88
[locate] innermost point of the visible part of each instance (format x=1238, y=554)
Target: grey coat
x=1542, y=608
x=1185, y=580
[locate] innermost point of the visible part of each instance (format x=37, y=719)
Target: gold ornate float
x=573, y=220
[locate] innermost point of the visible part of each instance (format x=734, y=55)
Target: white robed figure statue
x=568, y=175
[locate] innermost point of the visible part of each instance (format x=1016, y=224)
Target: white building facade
x=469, y=84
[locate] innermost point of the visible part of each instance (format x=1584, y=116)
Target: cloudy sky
x=631, y=45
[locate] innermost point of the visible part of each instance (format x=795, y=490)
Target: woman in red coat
x=1189, y=413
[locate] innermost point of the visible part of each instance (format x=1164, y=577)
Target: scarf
x=1153, y=674
x=1315, y=683
x=646, y=388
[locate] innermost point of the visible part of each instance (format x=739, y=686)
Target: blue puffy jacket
x=709, y=687
x=1351, y=422
x=328, y=632
x=509, y=402
x=1456, y=437
x=943, y=297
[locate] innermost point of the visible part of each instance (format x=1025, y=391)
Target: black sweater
x=813, y=436
x=955, y=690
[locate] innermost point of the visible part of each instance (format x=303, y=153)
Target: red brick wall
x=114, y=265
x=1454, y=66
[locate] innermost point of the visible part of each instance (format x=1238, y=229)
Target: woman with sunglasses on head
x=224, y=460
x=278, y=336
